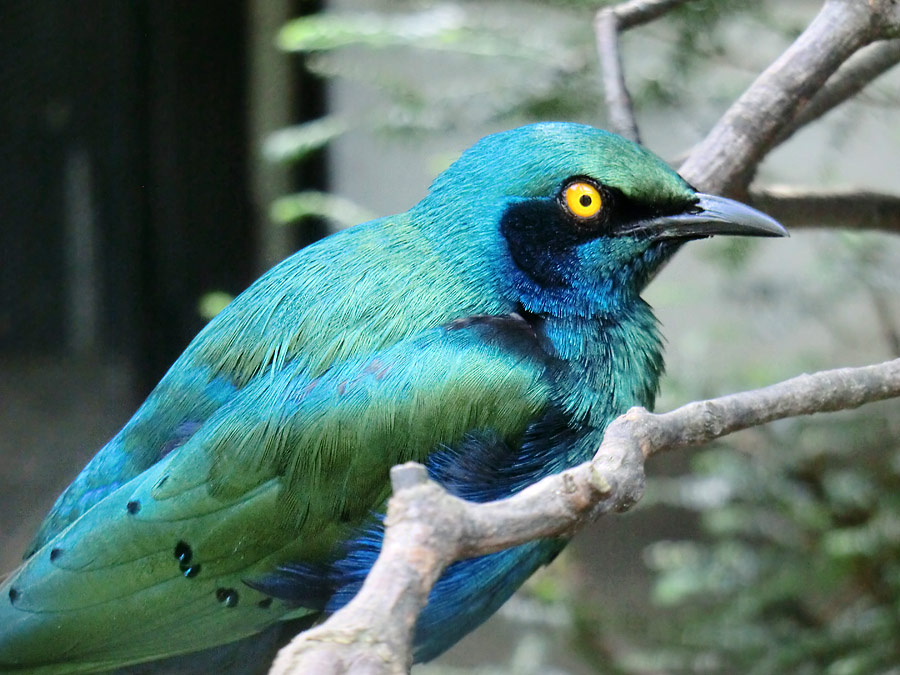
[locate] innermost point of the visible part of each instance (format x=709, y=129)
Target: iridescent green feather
x=317, y=308
x=302, y=442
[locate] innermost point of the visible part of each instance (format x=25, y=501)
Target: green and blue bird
x=491, y=333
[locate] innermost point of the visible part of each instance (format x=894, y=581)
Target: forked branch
x=608, y=23
x=726, y=160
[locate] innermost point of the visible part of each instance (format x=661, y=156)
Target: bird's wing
x=283, y=471
x=174, y=411
x=354, y=293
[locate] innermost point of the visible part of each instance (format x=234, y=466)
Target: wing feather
x=282, y=471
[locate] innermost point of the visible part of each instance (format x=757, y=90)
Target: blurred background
x=155, y=157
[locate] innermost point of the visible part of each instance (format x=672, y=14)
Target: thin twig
x=618, y=101
x=608, y=23
x=427, y=528
x=826, y=391
x=638, y=12
x=845, y=209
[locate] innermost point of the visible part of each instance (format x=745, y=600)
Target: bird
x=491, y=333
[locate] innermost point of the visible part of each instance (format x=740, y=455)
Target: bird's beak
x=708, y=216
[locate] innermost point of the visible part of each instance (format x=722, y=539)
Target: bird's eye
x=583, y=199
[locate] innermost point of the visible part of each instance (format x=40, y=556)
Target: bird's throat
x=606, y=365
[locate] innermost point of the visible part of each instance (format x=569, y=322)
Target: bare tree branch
x=845, y=209
x=618, y=101
x=726, y=160
x=638, y=12
x=850, y=79
x=427, y=528
x=608, y=23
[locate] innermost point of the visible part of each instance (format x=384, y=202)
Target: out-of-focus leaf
x=212, y=303
x=876, y=538
x=373, y=29
x=294, y=143
x=292, y=208
x=440, y=28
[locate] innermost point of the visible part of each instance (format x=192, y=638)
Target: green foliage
x=692, y=42
x=426, y=66
x=298, y=142
x=310, y=203
x=800, y=567
x=212, y=303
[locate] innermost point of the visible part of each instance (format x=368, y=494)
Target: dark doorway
x=124, y=198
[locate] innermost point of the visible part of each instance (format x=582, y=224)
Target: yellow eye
x=583, y=199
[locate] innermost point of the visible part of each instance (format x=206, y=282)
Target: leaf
x=329, y=30
x=212, y=303
x=442, y=28
x=294, y=143
x=291, y=208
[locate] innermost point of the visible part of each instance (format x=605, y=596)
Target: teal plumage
x=491, y=332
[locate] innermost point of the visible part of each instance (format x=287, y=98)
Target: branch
x=859, y=71
x=608, y=23
x=427, y=528
x=846, y=209
x=726, y=160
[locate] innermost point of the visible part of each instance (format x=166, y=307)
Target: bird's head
x=575, y=213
